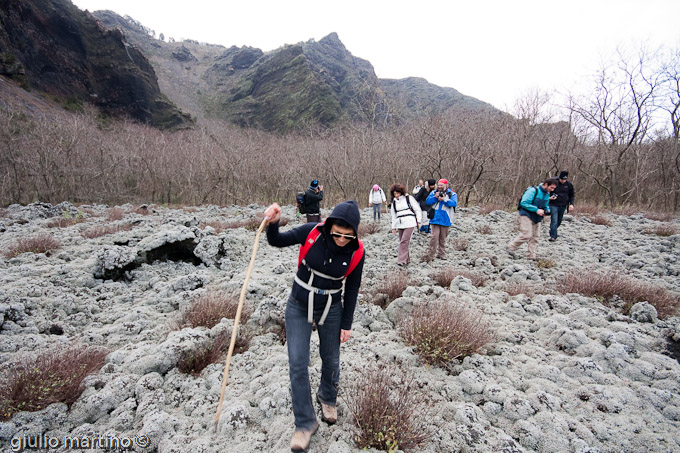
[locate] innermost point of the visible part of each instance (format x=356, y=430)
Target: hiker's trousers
x=298, y=336
x=528, y=232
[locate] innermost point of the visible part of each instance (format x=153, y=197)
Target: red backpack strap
x=309, y=242
x=356, y=258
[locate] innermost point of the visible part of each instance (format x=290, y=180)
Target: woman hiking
x=331, y=252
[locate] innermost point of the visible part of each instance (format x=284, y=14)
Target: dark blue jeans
x=298, y=333
x=556, y=214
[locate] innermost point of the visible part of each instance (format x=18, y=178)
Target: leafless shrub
x=114, y=214
x=600, y=219
x=32, y=384
x=41, y=243
x=389, y=411
x=606, y=286
x=664, y=229
x=484, y=229
x=442, y=332
x=660, y=216
x=368, y=228
x=194, y=361
x=461, y=245
x=445, y=276
x=4, y=213
x=103, y=230
x=209, y=309
x=66, y=220
x=514, y=288
x=392, y=286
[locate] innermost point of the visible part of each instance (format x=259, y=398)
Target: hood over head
x=347, y=211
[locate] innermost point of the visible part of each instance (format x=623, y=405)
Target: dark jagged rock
x=183, y=54
x=65, y=52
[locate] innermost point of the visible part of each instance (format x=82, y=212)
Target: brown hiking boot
x=329, y=413
x=301, y=439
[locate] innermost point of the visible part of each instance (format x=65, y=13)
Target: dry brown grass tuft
x=65, y=221
x=368, y=228
x=445, y=276
x=114, y=214
x=443, y=332
x=41, y=243
x=545, y=263
x=194, y=361
x=515, y=288
x=388, y=410
x=660, y=216
x=209, y=309
x=32, y=384
x=484, y=229
x=600, y=219
x=461, y=245
x=103, y=230
x=392, y=286
x=631, y=291
x=664, y=229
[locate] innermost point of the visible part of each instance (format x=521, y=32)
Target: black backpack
x=519, y=202
x=300, y=200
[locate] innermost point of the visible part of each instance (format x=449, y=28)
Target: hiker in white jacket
x=406, y=216
x=376, y=198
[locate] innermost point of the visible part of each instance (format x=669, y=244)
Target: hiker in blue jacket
x=534, y=206
x=444, y=201
x=331, y=253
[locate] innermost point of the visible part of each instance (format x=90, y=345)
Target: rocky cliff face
x=308, y=83
x=67, y=53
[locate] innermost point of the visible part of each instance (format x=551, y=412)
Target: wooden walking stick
x=234, y=331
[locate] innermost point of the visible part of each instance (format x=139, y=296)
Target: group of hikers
x=330, y=265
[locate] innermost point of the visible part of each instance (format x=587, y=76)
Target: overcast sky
x=494, y=50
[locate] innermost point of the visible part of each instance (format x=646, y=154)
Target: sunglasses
x=340, y=235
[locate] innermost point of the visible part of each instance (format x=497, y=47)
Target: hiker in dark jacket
x=313, y=197
x=421, y=198
x=561, y=201
x=317, y=297
x=533, y=207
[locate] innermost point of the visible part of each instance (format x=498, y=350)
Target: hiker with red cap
x=443, y=201
x=376, y=199
x=325, y=291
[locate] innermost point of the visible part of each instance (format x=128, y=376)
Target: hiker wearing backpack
x=533, y=207
x=442, y=202
x=312, y=201
x=405, y=218
x=421, y=198
x=330, y=253
x=376, y=198
x=562, y=200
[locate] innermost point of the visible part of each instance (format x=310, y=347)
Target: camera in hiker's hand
x=440, y=194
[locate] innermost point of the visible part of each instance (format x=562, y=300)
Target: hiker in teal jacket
x=444, y=201
x=533, y=208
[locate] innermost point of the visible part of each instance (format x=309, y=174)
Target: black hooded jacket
x=326, y=257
